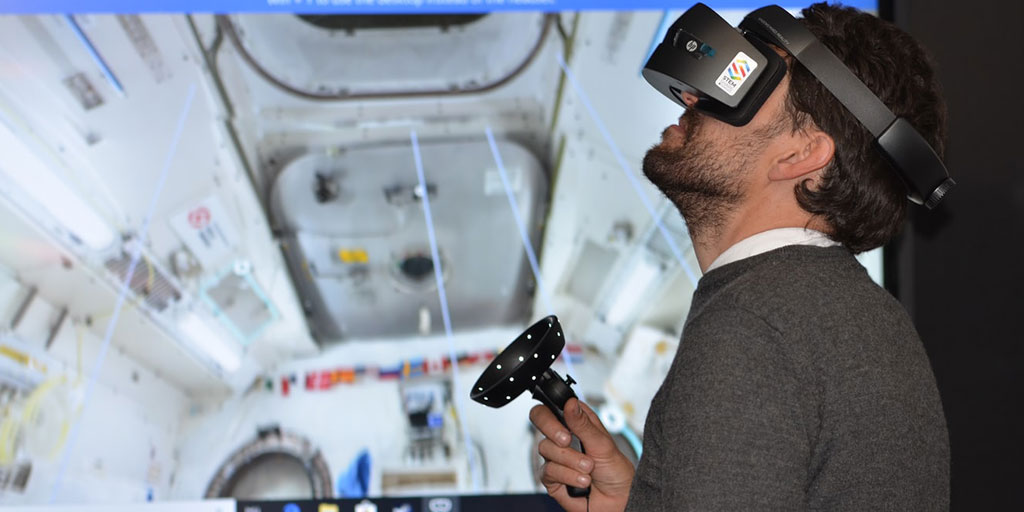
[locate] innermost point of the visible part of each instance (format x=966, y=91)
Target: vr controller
x=526, y=365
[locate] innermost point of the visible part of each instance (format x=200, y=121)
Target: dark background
x=960, y=269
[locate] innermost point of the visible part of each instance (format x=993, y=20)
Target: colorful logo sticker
x=736, y=73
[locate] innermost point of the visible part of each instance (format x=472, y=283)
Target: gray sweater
x=799, y=384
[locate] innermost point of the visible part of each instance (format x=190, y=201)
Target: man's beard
x=704, y=182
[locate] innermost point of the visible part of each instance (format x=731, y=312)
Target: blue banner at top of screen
x=376, y=6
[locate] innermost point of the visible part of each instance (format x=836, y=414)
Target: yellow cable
x=8, y=433
x=152, y=275
x=30, y=412
x=78, y=364
x=12, y=424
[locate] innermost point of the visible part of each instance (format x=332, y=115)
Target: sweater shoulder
x=802, y=287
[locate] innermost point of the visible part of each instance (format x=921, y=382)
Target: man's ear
x=809, y=153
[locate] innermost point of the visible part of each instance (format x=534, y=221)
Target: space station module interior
x=265, y=256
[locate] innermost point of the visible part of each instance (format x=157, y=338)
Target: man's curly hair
x=860, y=195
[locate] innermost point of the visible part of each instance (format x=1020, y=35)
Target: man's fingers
x=565, y=456
x=554, y=474
x=548, y=424
x=565, y=466
x=582, y=421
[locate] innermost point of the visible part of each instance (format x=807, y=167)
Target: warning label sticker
x=736, y=73
x=208, y=231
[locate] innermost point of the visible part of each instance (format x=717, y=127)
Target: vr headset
x=733, y=71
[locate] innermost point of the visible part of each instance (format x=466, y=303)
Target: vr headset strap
x=769, y=23
x=920, y=168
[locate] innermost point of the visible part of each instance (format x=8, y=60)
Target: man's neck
x=709, y=246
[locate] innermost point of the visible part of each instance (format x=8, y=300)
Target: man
x=799, y=383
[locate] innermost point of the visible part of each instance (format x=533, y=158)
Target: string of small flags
x=325, y=379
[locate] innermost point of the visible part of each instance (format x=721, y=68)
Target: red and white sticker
x=207, y=231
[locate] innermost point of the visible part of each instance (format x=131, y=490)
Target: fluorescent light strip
x=136, y=251
x=527, y=244
x=209, y=341
x=17, y=124
x=432, y=236
x=36, y=179
x=628, y=172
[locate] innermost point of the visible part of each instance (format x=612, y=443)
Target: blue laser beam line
x=94, y=53
x=676, y=251
x=123, y=294
x=531, y=255
x=523, y=234
x=445, y=315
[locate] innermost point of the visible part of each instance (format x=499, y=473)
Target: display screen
x=258, y=251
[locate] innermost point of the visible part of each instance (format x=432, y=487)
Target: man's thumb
x=591, y=434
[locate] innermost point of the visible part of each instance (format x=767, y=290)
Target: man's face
x=704, y=166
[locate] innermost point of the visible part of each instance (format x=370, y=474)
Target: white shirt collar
x=769, y=241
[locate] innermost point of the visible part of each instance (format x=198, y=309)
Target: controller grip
x=553, y=392
x=577, y=492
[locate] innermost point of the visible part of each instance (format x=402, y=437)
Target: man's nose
x=689, y=99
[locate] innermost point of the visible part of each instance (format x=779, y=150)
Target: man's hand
x=604, y=468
